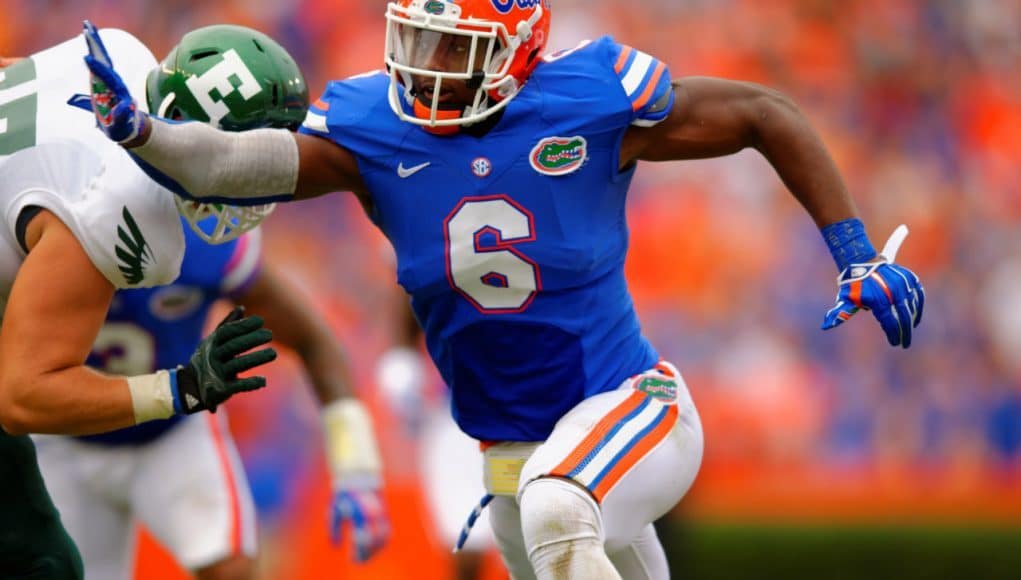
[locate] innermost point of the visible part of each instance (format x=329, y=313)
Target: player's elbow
x=769, y=111
x=15, y=417
x=14, y=426
x=773, y=119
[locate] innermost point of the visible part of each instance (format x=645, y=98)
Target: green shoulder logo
x=559, y=155
x=135, y=255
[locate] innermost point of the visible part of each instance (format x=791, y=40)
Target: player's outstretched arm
x=713, y=117
x=200, y=162
x=48, y=329
x=352, y=452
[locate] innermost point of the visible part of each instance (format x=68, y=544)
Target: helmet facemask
x=462, y=65
x=218, y=223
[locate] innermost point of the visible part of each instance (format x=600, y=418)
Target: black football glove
x=211, y=376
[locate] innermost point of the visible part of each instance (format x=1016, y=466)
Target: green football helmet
x=233, y=78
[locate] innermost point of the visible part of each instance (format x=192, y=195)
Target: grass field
x=902, y=552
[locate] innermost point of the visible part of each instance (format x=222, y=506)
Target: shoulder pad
x=130, y=226
x=347, y=102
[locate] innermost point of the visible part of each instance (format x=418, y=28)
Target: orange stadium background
x=920, y=104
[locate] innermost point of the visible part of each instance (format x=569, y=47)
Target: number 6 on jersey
x=482, y=263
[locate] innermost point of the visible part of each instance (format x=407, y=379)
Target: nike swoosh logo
x=409, y=171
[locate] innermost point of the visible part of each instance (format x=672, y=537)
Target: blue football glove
x=361, y=504
x=893, y=293
x=115, y=109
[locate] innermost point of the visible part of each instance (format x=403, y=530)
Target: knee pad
x=563, y=532
x=554, y=510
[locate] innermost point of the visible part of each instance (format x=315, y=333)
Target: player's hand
x=359, y=502
x=115, y=109
x=211, y=376
x=893, y=293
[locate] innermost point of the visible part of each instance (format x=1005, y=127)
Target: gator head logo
x=434, y=7
x=664, y=389
x=559, y=155
x=103, y=102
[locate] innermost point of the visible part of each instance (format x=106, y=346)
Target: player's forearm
x=201, y=162
x=299, y=327
x=74, y=401
x=312, y=340
x=784, y=136
x=80, y=401
x=350, y=440
x=328, y=371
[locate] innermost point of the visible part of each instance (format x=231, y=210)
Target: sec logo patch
x=481, y=166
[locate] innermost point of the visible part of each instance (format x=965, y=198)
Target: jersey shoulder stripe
x=315, y=118
x=355, y=114
x=617, y=85
x=357, y=97
x=646, y=81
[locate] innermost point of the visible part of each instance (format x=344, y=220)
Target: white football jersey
x=52, y=155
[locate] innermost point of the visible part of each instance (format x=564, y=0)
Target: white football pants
x=188, y=487
x=636, y=450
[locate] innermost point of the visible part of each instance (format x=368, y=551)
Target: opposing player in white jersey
x=79, y=220
x=202, y=509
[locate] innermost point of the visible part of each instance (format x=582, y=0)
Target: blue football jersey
x=159, y=328
x=512, y=245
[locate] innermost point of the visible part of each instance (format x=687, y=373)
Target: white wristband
x=151, y=397
x=351, y=448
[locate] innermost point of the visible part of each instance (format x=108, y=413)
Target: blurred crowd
x=920, y=103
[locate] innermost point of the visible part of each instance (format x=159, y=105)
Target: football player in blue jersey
x=499, y=174
x=201, y=509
